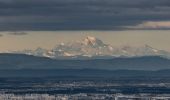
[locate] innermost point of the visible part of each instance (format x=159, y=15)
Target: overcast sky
x=84, y=14
x=27, y=24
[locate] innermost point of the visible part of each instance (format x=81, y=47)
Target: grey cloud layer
x=18, y=33
x=80, y=14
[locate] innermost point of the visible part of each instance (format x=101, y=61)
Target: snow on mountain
x=137, y=51
x=89, y=46
x=94, y=47
x=37, y=52
x=92, y=41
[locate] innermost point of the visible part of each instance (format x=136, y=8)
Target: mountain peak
x=148, y=46
x=92, y=41
x=89, y=40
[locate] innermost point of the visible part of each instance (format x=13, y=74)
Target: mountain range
x=91, y=47
x=22, y=65
x=22, y=61
x=89, y=57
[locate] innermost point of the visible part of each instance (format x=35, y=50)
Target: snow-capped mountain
x=94, y=47
x=89, y=47
x=145, y=50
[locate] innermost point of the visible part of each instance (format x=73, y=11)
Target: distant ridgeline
x=21, y=65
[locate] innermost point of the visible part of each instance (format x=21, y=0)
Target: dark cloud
x=80, y=14
x=18, y=33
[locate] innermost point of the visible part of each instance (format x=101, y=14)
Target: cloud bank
x=18, y=33
x=81, y=14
